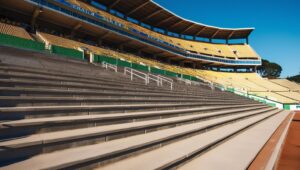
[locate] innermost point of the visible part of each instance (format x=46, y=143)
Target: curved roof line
x=155, y=15
x=198, y=23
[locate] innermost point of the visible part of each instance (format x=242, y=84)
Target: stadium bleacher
x=59, y=111
x=14, y=30
x=79, y=108
x=221, y=50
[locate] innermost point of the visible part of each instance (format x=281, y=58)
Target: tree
x=295, y=78
x=269, y=69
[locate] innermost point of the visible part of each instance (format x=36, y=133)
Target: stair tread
x=168, y=154
x=84, y=132
x=241, y=148
x=62, y=158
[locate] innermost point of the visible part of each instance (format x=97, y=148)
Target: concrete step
x=18, y=91
x=14, y=113
x=16, y=101
x=35, y=73
x=107, y=151
x=247, y=147
x=86, y=74
x=23, y=127
x=168, y=157
x=29, y=81
x=108, y=81
x=79, y=86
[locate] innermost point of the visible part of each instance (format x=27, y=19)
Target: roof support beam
x=188, y=28
x=165, y=20
x=151, y=15
x=35, y=15
x=177, y=23
x=213, y=36
x=124, y=42
x=104, y=35
x=231, y=34
x=137, y=8
x=201, y=30
x=114, y=4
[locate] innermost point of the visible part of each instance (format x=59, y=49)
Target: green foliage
x=295, y=78
x=269, y=69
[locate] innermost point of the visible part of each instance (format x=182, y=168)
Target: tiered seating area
x=219, y=50
x=247, y=82
x=14, y=30
x=276, y=90
x=61, y=114
x=103, y=51
x=288, y=84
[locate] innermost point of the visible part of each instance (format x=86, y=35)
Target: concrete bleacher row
x=243, y=51
x=14, y=30
x=61, y=114
x=248, y=82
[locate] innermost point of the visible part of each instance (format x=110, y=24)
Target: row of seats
x=280, y=90
x=286, y=83
x=14, y=30
x=221, y=50
x=64, y=42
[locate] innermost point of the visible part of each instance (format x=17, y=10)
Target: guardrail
x=110, y=66
x=160, y=80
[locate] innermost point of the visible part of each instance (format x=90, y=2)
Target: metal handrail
x=107, y=66
x=147, y=77
x=136, y=73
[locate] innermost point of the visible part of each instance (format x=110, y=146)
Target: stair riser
x=35, y=102
x=46, y=148
x=12, y=132
x=38, y=113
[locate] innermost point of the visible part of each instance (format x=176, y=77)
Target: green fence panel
x=171, y=74
x=67, y=52
x=194, y=78
x=18, y=42
x=106, y=59
x=140, y=67
x=186, y=77
x=157, y=71
x=95, y=59
x=123, y=63
x=286, y=107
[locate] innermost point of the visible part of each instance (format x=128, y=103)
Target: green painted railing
x=72, y=53
x=18, y=42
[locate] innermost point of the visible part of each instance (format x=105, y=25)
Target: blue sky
x=276, y=22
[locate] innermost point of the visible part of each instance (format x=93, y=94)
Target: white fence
x=147, y=77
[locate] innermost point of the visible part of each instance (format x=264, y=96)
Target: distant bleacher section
x=14, y=30
x=241, y=51
x=16, y=36
x=278, y=90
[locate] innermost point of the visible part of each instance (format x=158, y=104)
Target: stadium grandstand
x=111, y=84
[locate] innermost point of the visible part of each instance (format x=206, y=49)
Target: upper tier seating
x=219, y=50
x=14, y=30
x=52, y=39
